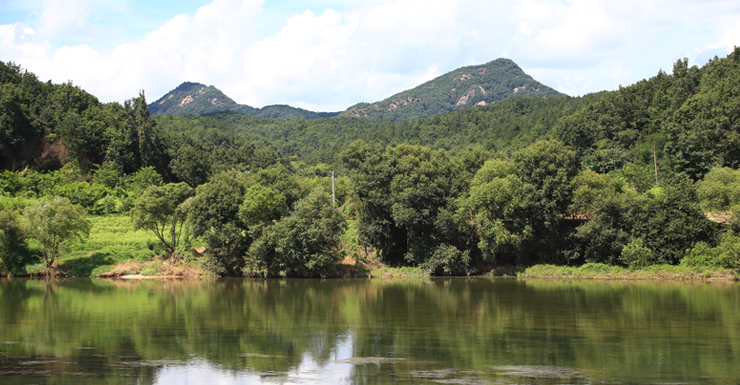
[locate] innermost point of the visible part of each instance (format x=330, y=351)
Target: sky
x=326, y=55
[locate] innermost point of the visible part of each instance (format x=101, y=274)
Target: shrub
x=81, y=193
x=635, y=255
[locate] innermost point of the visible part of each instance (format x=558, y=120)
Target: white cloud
x=332, y=59
x=67, y=18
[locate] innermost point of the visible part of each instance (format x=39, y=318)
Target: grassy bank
x=115, y=249
x=655, y=272
x=399, y=272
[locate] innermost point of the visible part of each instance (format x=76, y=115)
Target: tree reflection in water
x=366, y=331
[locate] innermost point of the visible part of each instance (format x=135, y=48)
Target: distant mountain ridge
x=464, y=87
x=197, y=99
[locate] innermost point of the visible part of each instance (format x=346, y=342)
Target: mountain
x=464, y=87
x=198, y=99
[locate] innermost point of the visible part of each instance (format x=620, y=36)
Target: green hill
x=198, y=99
x=464, y=87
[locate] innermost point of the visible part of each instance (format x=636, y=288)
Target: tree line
x=619, y=177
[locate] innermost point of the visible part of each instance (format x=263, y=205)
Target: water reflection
x=362, y=331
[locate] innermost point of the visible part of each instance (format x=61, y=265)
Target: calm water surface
x=457, y=331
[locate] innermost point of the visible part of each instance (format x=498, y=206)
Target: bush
x=106, y=205
x=725, y=255
x=11, y=182
x=635, y=255
x=150, y=270
x=449, y=259
x=85, y=266
x=36, y=269
x=399, y=272
x=701, y=255
x=82, y=193
x=101, y=270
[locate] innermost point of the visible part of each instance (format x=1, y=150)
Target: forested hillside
x=507, y=125
x=621, y=177
x=462, y=88
x=198, y=99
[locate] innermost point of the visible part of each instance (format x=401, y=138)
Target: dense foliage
x=622, y=178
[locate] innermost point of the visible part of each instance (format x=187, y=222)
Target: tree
x=262, y=205
x=53, y=222
x=214, y=215
x=162, y=211
x=495, y=205
x=301, y=244
x=190, y=164
x=14, y=253
x=371, y=173
x=548, y=166
x=665, y=219
x=17, y=133
x=402, y=192
x=719, y=190
x=546, y=169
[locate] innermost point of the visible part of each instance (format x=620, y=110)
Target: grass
x=506, y=272
x=399, y=272
x=112, y=241
x=654, y=272
x=113, y=249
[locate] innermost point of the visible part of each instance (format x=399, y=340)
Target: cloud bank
x=330, y=60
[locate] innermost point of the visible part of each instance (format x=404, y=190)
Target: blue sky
x=326, y=55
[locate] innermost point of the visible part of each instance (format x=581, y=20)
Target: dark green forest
x=621, y=177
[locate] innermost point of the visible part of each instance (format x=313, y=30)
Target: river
x=460, y=331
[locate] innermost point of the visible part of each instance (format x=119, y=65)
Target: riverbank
x=602, y=271
x=158, y=268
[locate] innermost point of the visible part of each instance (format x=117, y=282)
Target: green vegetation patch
x=604, y=271
x=399, y=272
x=112, y=241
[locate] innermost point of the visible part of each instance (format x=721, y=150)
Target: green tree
x=301, y=244
x=17, y=132
x=548, y=166
x=404, y=194
x=162, y=211
x=214, y=215
x=262, y=205
x=84, y=136
x=53, y=222
x=14, y=253
x=546, y=169
x=719, y=190
x=495, y=206
x=190, y=164
x=665, y=219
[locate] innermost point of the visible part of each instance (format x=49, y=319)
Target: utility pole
x=333, y=196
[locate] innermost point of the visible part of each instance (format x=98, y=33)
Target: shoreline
x=589, y=271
